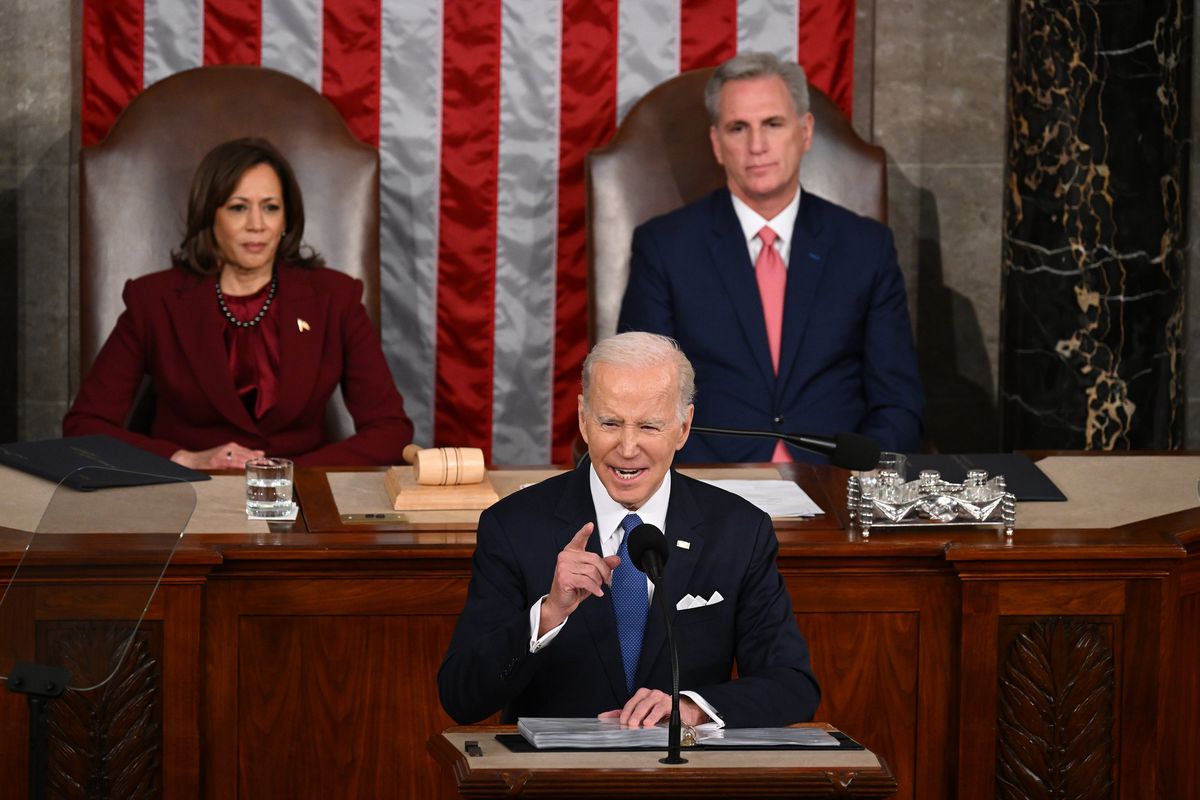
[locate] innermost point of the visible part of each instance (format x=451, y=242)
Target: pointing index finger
x=579, y=540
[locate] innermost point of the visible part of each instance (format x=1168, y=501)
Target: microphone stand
x=812, y=444
x=675, y=725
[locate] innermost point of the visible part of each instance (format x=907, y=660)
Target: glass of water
x=269, y=489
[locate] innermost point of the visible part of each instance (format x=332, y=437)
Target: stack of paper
x=777, y=498
x=596, y=734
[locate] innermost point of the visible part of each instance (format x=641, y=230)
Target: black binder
x=59, y=459
x=1022, y=476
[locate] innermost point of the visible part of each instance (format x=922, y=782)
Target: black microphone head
x=646, y=542
x=854, y=451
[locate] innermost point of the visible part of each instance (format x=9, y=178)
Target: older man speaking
x=557, y=619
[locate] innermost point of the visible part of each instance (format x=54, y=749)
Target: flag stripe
x=350, y=64
x=232, y=31
x=826, y=46
x=526, y=211
x=588, y=119
x=467, y=227
x=173, y=39
x=112, y=63
x=409, y=154
x=769, y=25
x=648, y=49
x=292, y=38
x=707, y=32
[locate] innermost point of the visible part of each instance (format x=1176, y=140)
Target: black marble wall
x=1092, y=331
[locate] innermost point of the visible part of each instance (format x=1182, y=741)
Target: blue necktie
x=631, y=601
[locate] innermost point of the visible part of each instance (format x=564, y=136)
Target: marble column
x=1094, y=279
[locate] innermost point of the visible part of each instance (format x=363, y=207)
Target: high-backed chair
x=134, y=184
x=661, y=159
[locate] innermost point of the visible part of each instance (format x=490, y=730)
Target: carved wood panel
x=105, y=742
x=1057, y=696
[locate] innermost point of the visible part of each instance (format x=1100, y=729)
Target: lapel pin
x=301, y=325
x=682, y=545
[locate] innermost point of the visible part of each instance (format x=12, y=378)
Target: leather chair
x=134, y=185
x=661, y=159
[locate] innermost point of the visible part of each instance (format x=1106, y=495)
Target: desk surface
x=708, y=773
x=1119, y=506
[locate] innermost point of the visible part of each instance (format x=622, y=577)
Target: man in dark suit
x=791, y=308
x=557, y=620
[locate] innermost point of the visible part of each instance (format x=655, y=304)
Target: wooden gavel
x=445, y=466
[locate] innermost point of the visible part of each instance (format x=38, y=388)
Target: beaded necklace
x=262, y=312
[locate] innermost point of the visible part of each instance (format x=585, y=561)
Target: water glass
x=892, y=461
x=269, y=488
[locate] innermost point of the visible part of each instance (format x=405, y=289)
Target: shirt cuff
x=535, y=622
x=714, y=718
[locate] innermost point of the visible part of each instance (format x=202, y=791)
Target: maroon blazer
x=172, y=331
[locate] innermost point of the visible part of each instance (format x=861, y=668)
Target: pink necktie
x=772, y=279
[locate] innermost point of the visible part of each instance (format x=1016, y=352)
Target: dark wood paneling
x=867, y=665
x=1180, y=773
x=882, y=649
x=296, y=666
x=362, y=681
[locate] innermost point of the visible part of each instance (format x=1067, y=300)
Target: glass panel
x=89, y=572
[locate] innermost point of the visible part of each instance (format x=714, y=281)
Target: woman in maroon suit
x=246, y=337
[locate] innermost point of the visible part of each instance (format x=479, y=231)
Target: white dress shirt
x=783, y=224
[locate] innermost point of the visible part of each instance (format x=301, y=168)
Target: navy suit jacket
x=173, y=331
x=733, y=547
x=847, y=361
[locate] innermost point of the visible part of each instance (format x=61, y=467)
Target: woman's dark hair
x=215, y=181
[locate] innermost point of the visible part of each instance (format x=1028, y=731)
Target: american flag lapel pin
x=302, y=325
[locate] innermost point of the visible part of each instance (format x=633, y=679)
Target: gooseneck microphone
x=648, y=550
x=846, y=450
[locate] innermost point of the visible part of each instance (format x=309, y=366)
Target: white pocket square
x=696, y=601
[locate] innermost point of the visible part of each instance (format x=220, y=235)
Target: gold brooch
x=301, y=325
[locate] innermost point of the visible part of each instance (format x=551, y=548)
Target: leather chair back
x=661, y=158
x=134, y=184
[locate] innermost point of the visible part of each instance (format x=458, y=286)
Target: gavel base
x=408, y=495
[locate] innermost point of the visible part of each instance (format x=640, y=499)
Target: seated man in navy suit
x=557, y=621
x=791, y=308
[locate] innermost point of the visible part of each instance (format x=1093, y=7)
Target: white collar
x=783, y=223
x=609, y=512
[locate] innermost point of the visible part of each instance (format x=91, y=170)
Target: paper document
x=590, y=733
x=777, y=498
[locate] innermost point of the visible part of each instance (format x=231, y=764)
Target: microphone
x=648, y=550
x=846, y=450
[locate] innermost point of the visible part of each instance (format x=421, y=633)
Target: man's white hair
x=639, y=349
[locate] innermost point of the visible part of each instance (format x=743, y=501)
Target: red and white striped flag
x=482, y=113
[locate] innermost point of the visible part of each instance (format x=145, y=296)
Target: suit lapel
x=731, y=259
x=199, y=327
x=299, y=347
x=683, y=524
x=806, y=268
x=575, y=510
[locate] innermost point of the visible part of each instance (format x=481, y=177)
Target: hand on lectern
x=648, y=707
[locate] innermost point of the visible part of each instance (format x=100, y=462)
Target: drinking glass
x=269, y=488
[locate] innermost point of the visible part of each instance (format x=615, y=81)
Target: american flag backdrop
x=483, y=112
